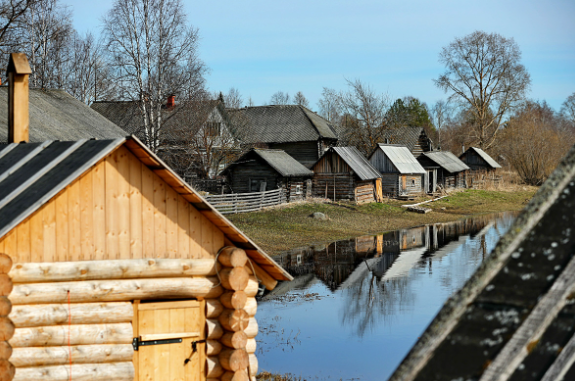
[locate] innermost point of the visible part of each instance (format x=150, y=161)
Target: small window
x=299, y=259
x=412, y=181
x=298, y=189
x=213, y=128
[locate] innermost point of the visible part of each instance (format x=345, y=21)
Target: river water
x=356, y=307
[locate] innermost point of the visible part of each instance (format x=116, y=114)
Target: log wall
x=364, y=191
x=119, y=209
x=325, y=183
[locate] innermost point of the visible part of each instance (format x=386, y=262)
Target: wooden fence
x=246, y=202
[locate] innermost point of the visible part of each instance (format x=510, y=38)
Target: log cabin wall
x=325, y=185
x=475, y=162
x=296, y=189
x=390, y=184
x=304, y=152
x=411, y=184
x=119, y=209
x=253, y=170
x=364, y=191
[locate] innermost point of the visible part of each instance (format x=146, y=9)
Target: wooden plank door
x=403, y=182
x=165, y=321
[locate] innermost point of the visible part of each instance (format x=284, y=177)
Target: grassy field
x=290, y=226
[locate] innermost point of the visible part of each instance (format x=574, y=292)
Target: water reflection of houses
x=387, y=256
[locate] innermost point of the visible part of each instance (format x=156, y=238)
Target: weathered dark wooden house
x=443, y=169
x=478, y=160
x=113, y=268
x=515, y=317
x=401, y=173
x=263, y=169
x=300, y=132
x=343, y=173
x=414, y=138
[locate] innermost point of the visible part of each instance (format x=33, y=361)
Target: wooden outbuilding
x=401, y=173
x=262, y=170
x=113, y=268
x=343, y=173
x=412, y=137
x=443, y=169
x=478, y=160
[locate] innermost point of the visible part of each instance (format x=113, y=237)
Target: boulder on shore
x=319, y=216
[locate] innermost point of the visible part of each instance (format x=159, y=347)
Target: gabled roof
x=407, y=136
x=488, y=159
x=286, y=123
x=31, y=174
x=401, y=158
x=357, y=162
x=282, y=162
x=56, y=115
x=514, y=319
x=447, y=161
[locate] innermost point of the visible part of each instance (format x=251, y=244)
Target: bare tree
x=568, y=108
x=10, y=12
x=280, y=98
x=300, y=99
x=233, y=98
x=363, y=121
x=484, y=74
x=440, y=115
x=250, y=102
x=329, y=105
x=154, y=53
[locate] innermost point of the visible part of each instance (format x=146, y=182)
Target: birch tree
x=484, y=73
x=154, y=53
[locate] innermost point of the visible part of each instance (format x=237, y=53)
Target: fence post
x=235, y=203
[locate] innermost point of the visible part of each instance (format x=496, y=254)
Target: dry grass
x=266, y=376
x=288, y=227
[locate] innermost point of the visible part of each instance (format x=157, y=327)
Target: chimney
x=171, y=101
x=18, y=116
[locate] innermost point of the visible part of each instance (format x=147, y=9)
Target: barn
x=401, y=173
x=261, y=170
x=343, y=173
x=113, y=268
x=478, y=160
x=443, y=169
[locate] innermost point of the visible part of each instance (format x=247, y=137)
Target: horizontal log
x=252, y=328
x=6, y=328
x=234, y=320
x=7, y=370
x=5, y=350
x=266, y=279
x=235, y=300
x=234, y=278
x=119, y=371
x=240, y=375
x=251, y=345
x=234, y=359
x=111, y=269
x=233, y=257
x=234, y=340
x=253, y=287
x=213, y=308
x=253, y=360
x=81, y=334
x=214, y=329
x=251, y=306
x=5, y=306
x=213, y=347
x=38, y=315
x=5, y=285
x=213, y=367
x=81, y=354
x=5, y=263
x=115, y=290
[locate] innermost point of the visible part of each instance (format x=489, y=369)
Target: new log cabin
x=343, y=173
x=113, y=268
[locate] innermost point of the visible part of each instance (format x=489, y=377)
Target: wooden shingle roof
x=56, y=115
x=31, y=174
x=515, y=317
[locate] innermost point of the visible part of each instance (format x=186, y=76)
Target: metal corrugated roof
x=402, y=158
x=357, y=162
x=486, y=157
x=56, y=115
x=282, y=162
x=447, y=161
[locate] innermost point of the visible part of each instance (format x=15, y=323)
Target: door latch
x=136, y=343
x=194, y=350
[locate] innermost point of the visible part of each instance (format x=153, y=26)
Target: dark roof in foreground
x=488, y=159
x=56, y=115
x=515, y=317
x=286, y=123
x=357, y=162
x=447, y=161
x=278, y=159
x=31, y=174
x=407, y=136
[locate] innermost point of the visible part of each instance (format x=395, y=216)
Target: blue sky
x=261, y=47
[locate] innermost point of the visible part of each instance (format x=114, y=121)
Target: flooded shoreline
x=357, y=306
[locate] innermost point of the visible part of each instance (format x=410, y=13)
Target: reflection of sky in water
x=363, y=329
